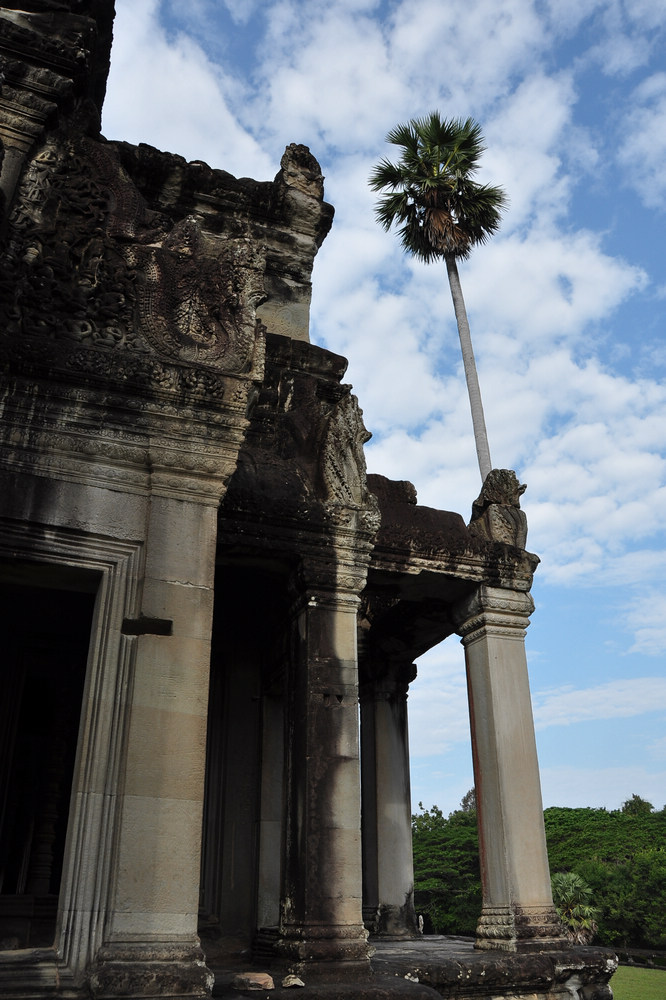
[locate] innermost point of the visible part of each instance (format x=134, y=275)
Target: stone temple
x=210, y=612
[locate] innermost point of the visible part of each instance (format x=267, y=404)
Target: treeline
x=620, y=854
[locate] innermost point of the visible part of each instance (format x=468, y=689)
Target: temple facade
x=210, y=611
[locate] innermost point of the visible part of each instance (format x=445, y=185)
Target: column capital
x=321, y=579
x=387, y=681
x=493, y=610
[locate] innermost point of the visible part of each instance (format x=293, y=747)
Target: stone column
x=518, y=912
x=150, y=942
x=321, y=925
x=271, y=812
x=386, y=797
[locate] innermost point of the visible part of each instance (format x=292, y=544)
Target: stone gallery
x=210, y=612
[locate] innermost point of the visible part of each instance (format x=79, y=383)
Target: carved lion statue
x=496, y=513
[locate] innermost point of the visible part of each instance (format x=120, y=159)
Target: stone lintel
x=418, y=545
x=189, y=452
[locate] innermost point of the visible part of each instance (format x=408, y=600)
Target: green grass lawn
x=631, y=983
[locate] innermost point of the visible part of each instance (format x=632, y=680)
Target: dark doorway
x=46, y=635
x=242, y=825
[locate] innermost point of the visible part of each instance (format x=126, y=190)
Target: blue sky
x=566, y=307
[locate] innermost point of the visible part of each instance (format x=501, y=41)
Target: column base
x=396, y=923
x=134, y=971
x=520, y=929
x=335, y=952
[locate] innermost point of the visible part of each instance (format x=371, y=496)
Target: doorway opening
x=46, y=636
x=243, y=807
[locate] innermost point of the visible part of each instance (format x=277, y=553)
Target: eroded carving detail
x=496, y=513
x=141, y=283
x=300, y=170
x=490, y=610
x=197, y=307
x=536, y=924
x=342, y=463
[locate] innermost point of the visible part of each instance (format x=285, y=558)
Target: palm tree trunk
x=473, y=389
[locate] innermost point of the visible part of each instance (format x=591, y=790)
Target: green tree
x=622, y=857
x=572, y=895
x=442, y=212
x=468, y=803
x=636, y=806
x=447, y=878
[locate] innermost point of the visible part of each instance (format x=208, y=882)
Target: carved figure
x=197, y=304
x=300, y=170
x=496, y=513
x=142, y=281
x=343, y=463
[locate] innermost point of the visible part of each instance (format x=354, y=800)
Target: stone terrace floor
x=433, y=966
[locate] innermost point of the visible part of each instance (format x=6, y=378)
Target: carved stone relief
x=88, y=262
x=496, y=513
x=196, y=307
x=342, y=462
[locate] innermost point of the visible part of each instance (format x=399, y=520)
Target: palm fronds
x=429, y=193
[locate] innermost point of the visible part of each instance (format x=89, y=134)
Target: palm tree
x=442, y=212
x=571, y=895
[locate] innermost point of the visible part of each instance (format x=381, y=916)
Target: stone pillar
x=321, y=925
x=386, y=806
x=271, y=812
x=10, y=172
x=518, y=912
x=150, y=941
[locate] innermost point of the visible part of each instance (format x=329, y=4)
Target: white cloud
x=342, y=78
x=643, y=151
x=525, y=153
x=545, y=286
x=566, y=16
x=628, y=33
x=657, y=749
x=616, y=699
x=240, y=10
x=463, y=55
x=438, y=713
x=581, y=787
x=646, y=617
x=588, y=437
x=166, y=92
x=324, y=78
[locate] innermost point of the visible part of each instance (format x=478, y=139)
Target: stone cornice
x=493, y=563
x=414, y=540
